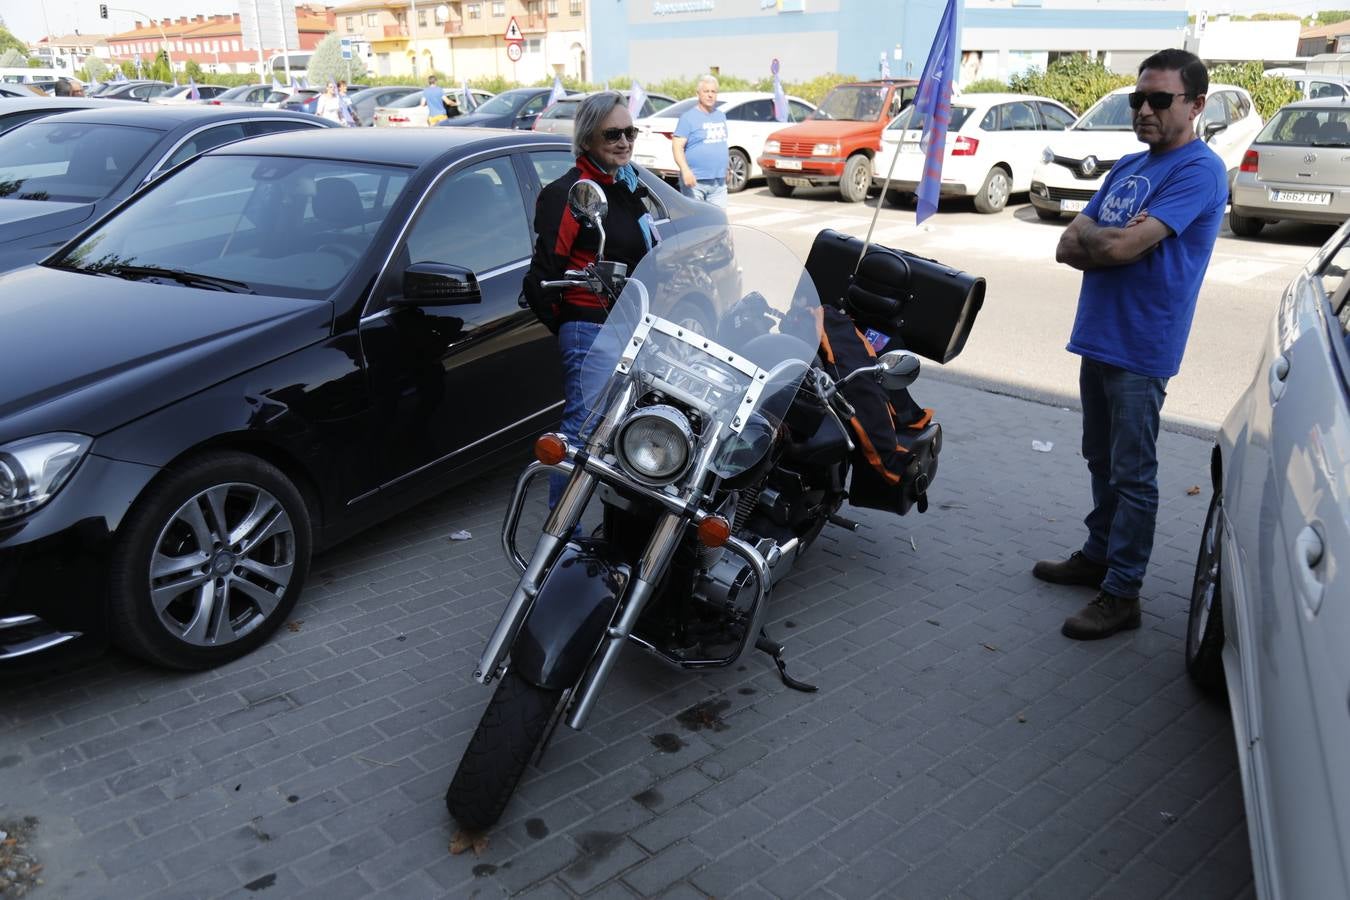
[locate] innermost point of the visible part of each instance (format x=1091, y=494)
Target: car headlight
x=34, y=469
x=1047, y=155
x=825, y=150
x=772, y=146
x=655, y=444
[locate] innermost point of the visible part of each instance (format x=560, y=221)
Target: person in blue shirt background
x=1143, y=244
x=700, y=147
x=433, y=98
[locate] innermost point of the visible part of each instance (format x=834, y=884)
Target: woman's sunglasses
x=1156, y=100
x=612, y=135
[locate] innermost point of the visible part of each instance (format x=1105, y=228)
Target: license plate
x=792, y=164
x=1072, y=205
x=798, y=182
x=1309, y=198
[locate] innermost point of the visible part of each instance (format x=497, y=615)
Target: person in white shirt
x=330, y=105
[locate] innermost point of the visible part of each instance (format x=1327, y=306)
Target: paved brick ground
x=959, y=746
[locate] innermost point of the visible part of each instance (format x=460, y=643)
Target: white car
x=994, y=143
x=1075, y=163
x=1270, y=606
x=750, y=121
x=408, y=111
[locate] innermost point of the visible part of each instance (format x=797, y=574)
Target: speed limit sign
x=513, y=51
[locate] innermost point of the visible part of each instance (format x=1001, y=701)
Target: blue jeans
x=582, y=385
x=710, y=190
x=1121, y=416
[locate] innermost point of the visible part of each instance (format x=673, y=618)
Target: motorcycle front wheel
x=507, y=736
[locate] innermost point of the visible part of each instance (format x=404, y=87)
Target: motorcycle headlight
x=772, y=147
x=32, y=470
x=825, y=150
x=655, y=444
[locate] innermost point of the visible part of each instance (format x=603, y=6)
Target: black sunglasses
x=612, y=135
x=1156, y=100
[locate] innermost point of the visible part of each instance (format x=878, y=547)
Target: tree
x=94, y=68
x=326, y=63
x=194, y=71
x=9, y=42
x=12, y=59
x=159, y=69
x=1332, y=16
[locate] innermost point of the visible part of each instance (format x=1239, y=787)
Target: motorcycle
x=718, y=451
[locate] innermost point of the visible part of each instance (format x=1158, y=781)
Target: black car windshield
x=1308, y=127
x=852, y=103
x=271, y=225
x=65, y=161
x=503, y=103
x=1112, y=113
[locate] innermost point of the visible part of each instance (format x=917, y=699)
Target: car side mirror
x=897, y=369
x=1214, y=128
x=438, y=284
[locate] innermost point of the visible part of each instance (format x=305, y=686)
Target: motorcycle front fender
x=575, y=605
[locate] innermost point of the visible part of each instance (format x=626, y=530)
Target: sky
x=25, y=17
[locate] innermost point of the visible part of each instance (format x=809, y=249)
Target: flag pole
x=881, y=198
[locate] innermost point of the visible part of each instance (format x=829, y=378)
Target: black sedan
x=59, y=174
x=140, y=89
x=16, y=112
x=516, y=108
x=278, y=344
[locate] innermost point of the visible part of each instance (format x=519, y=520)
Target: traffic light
x=103, y=10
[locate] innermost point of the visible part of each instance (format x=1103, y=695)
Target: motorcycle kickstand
x=768, y=645
x=558, y=714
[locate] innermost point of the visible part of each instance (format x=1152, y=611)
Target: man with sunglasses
x=1143, y=243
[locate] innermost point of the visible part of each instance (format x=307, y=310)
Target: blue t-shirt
x=705, y=135
x=1137, y=316
x=434, y=94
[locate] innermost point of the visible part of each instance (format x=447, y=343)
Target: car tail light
x=965, y=146
x=1249, y=160
x=213, y=102
x=397, y=119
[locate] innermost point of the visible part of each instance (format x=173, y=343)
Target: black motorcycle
x=718, y=451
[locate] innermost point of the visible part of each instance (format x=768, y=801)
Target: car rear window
x=563, y=109
x=1308, y=128
x=76, y=163
x=912, y=120
x=675, y=110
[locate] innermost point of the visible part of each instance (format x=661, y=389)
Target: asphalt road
x=1017, y=346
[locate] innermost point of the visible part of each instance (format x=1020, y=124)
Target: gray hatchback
x=1270, y=606
x=1297, y=169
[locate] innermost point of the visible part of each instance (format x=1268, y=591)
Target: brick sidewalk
x=959, y=746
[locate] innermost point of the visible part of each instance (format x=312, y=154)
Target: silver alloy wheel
x=997, y=193
x=862, y=178
x=1204, y=591
x=738, y=172
x=222, y=564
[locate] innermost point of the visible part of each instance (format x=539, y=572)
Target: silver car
x=1270, y=606
x=1297, y=169
x=561, y=115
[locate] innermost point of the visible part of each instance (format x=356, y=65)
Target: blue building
x=655, y=39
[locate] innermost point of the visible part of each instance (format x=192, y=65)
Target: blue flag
x=637, y=97
x=466, y=103
x=193, y=93
x=559, y=91
x=934, y=105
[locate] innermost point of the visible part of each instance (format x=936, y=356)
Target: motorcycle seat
x=827, y=445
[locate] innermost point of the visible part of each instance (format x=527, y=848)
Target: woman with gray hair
x=603, y=143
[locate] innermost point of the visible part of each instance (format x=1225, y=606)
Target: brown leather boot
x=1077, y=569
x=1103, y=617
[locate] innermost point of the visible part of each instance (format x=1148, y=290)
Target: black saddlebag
x=909, y=301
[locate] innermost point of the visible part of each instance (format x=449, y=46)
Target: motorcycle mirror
x=587, y=202
x=897, y=370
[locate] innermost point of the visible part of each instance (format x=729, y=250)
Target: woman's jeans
x=582, y=385
x=1121, y=414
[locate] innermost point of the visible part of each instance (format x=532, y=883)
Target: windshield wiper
x=191, y=279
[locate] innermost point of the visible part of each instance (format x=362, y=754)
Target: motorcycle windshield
x=721, y=322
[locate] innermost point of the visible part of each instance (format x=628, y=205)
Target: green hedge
x=1269, y=94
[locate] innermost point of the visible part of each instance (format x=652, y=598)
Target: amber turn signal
x=714, y=531
x=550, y=449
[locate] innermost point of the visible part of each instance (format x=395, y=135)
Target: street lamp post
x=164, y=38
x=413, y=25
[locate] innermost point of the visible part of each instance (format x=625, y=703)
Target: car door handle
x=1279, y=375
x=1308, y=552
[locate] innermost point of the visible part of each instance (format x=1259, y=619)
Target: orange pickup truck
x=837, y=143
